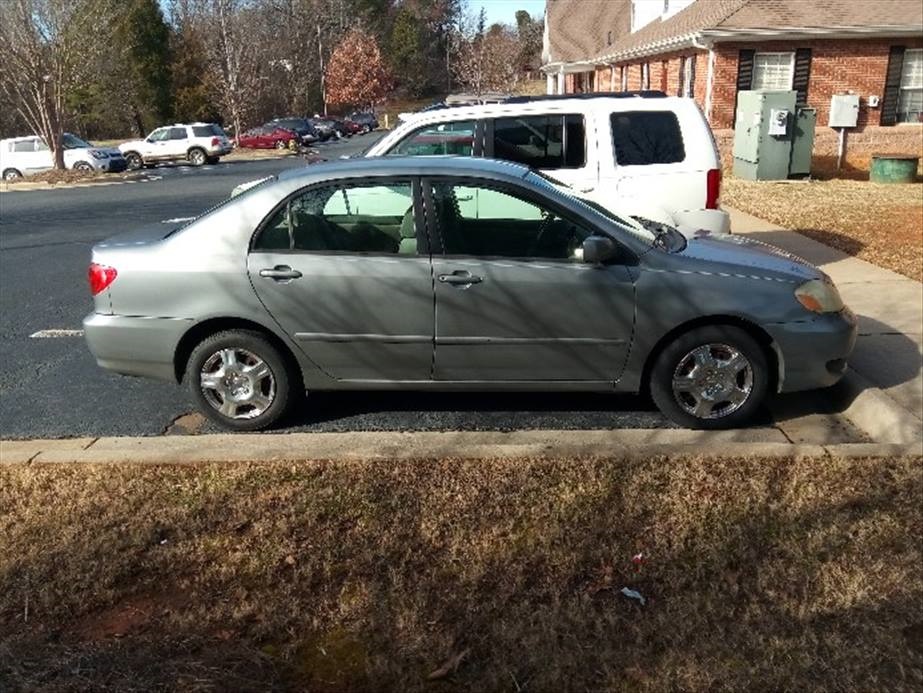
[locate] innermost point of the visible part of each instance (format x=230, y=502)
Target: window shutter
x=892, y=86
x=744, y=72
x=691, y=88
x=802, y=75
x=682, y=76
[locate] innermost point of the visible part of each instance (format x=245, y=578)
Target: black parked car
x=330, y=126
x=303, y=127
x=367, y=121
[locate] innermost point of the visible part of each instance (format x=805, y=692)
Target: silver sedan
x=456, y=274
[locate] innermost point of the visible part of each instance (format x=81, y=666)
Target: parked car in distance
x=365, y=120
x=641, y=153
x=24, y=156
x=456, y=274
x=268, y=137
x=195, y=143
x=302, y=126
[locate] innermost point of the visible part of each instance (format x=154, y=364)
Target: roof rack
x=643, y=94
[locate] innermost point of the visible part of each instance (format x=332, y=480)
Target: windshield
x=548, y=181
x=72, y=142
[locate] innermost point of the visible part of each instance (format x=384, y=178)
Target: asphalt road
x=51, y=387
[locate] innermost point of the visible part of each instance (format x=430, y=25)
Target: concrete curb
x=635, y=444
x=883, y=419
x=29, y=186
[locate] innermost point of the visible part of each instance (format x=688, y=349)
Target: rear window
x=641, y=138
x=207, y=131
x=542, y=142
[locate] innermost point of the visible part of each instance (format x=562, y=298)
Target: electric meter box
x=844, y=111
x=763, y=132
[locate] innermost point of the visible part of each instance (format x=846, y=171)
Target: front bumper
x=135, y=346
x=115, y=165
x=814, y=353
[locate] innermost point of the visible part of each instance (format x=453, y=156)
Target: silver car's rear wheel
x=715, y=376
x=237, y=383
x=242, y=381
x=712, y=380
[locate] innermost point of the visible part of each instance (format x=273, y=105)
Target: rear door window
x=445, y=138
x=642, y=138
x=541, y=142
x=177, y=134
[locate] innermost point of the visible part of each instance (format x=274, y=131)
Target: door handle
x=280, y=272
x=459, y=278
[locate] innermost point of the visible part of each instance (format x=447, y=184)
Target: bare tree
x=48, y=50
x=488, y=60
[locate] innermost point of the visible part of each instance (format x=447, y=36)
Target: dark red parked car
x=267, y=137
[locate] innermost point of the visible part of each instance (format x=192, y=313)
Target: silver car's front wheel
x=715, y=376
x=237, y=383
x=712, y=380
x=241, y=380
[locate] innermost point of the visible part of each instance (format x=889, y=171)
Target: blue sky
x=504, y=11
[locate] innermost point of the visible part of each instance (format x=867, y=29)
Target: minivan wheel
x=134, y=160
x=11, y=174
x=196, y=157
x=240, y=381
x=710, y=378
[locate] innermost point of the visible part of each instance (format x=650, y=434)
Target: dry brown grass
x=880, y=223
x=780, y=574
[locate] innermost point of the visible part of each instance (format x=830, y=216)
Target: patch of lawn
x=880, y=223
x=786, y=574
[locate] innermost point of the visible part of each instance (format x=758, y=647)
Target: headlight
x=99, y=155
x=819, y=296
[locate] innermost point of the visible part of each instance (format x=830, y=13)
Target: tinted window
x=480, y=221
x=541, y=141
x=351, y=218
x=207, y=130
x=177, y=134
x=444, y=138
x=646, y=137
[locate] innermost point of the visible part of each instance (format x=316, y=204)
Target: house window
x=624, y=77
x=686, y=76
x=910, y=104
x=646, y=76
x=773, y=71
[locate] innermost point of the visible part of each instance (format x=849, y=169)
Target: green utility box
x=772, y=140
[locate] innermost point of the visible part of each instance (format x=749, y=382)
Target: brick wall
x=837, y=65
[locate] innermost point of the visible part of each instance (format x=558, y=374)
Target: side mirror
x=598, y=249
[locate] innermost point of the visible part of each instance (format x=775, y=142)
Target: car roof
x=410, y=166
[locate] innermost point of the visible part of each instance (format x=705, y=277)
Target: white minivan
x=644, y=154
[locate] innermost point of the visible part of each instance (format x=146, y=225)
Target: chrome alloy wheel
x=712, y=381
x=237, y=383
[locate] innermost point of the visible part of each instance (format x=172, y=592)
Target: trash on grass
x=632, y=594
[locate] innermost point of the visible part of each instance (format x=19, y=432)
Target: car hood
x=738, y=254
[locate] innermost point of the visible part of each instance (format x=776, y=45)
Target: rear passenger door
x=177, y=143
x=555, y=143
x=344, y=269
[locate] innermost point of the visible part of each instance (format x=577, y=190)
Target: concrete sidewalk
x=883, y=392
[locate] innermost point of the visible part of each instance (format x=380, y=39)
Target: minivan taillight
x=215, y=141
x=100, y=276
x=713, y=188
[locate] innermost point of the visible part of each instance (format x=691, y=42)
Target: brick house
x=711, y=49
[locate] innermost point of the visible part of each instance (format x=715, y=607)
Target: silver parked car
x=437, y=273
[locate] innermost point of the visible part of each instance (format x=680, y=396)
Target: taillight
x=100, y=276
x=713, y=188
x=215, y=141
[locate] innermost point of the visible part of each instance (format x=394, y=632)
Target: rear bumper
x=691, y=220
x=135, y=346
x=814, y=353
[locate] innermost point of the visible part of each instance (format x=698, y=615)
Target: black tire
x=281, y=144
x=83, y=166
x=285, y=393
x=134, y=160
x=197, y=156
x=11, y=174
x=718, y=342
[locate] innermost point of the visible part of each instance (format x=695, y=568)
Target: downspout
x=710, y=74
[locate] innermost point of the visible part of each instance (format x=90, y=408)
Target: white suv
x=197, y=143
x=638, y=153
x=23, y=156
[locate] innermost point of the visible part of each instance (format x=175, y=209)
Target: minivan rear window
x=641, y=138
x=541, y=142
